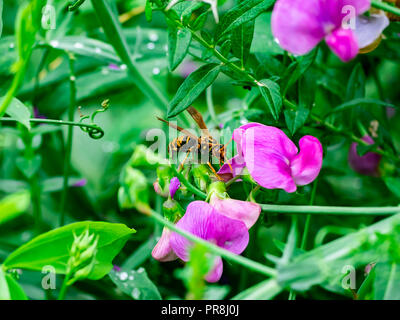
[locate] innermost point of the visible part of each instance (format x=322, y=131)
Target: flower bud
x=143, y=156
x=201, y=177
x=133, y=192
x=172, y=210
x=368, y=163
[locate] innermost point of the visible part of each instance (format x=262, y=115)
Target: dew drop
x=12, y=45
x=78, y=45
x=153, y=37
x=131, y=277
x=98, y=50
x=123, y=67
x=156, y=71
x=140, y=270
x=151, y=46
x=135, y=293
x=123, y=276
x=54, y=43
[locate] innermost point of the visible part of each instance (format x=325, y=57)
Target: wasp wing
x=196, y=115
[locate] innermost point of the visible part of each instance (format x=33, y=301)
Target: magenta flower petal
x=367, y=164
x=360, y=6
x=174, y=185
x=202, y=220
x=267, y=153
x=307, y=164
x=247, y=212
x=237, y=164
x=343, y=43
x=216, y=271
x=163, y=250
x=298, y=25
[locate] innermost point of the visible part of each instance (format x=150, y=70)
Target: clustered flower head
x=300, y=25
x=272, y=160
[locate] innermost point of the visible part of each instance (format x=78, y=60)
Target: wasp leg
x=184, y=160
x=215, y=172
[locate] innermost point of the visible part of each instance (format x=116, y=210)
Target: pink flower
x=174, y=186
x=247, y=212
x=163, y=250
x=205, y=222
x=273, y=160
x=300, y=25
x=368, y=163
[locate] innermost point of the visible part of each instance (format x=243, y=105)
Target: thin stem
x=64, y=288
x=68, y=149
x=308, y=218
x=324, y=210
x=188, y=185
x=89, y=127
x=385, y=7
x=250, y=264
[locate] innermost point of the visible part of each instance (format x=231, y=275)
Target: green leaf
x=264, y=290
x=393, y=185
x=136, y=284
x=9, y=288
x=360, y=102
x=29, y=166
x=387, y=281
x=148, y=11
x=14, y=205
x=192, y=87
x=324, y=264
x=86, y=47
x=1, y=17
x=298, y=68
x=245, y=11
x=18, y=111
x=178, y=45
x=52, y=248
x=271, y=93
x=295, y=119
x=356, y=84
x=242, y=37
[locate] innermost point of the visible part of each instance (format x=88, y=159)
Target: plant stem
x=210, y=105
x=60, y=122
x=68, y=149
x=250, y=264
x=324, y=210
x=385, y=7
x=188, y=185
x=64, y=288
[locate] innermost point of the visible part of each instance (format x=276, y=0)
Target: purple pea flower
x=300, y=25
x=163, y=251
x=80, y=183
x=368, y=163
x=174, y=185
x=247, y=212
x=273, y=160
x=205, y=222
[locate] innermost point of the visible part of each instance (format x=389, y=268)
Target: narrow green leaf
x=14, y=205
x=295, y=119
x=178, y=45
x=148, y=11
x=243, y=12
x=393, y=185
x=4, y=291
x=264, y=290
x=16, y=292
x=361, y=101
x=192, y=87
x=242, y=37
x=18, y=111
x=356, y=84
x=1, y=17
x=387, y=281
x=52, y=248
x=136, y=284
x=271, y=93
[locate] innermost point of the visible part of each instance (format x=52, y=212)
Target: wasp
x=205, y=145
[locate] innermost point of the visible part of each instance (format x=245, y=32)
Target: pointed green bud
x=133, y=192
x=218, y=189
x=145, y=157
x=172, y=210
x=201, y=176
